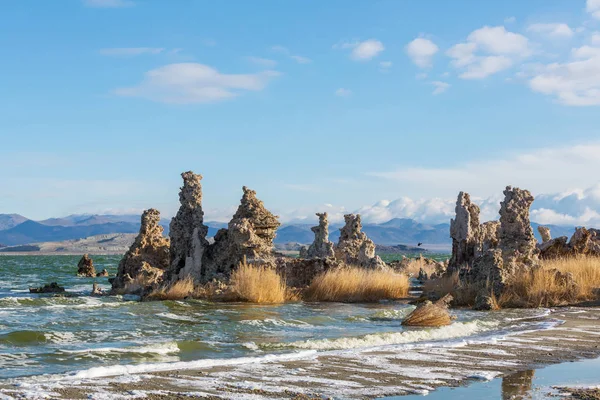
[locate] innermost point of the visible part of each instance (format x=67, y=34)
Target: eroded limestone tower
x=321, y=247
x=354, y=247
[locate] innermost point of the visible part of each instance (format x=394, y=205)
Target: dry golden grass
x=352, y=284
x=414, y=267
x=544, y=287
x=177, y=291
x=258, y=284
x=541, y=287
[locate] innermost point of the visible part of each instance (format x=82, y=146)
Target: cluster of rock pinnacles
x=249, y=236
x=488, y=254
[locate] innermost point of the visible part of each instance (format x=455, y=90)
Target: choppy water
x=44, y=334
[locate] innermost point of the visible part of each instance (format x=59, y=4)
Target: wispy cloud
x=440, y=87
x=108, y=3
x=362, y=51
x=551, y=29
x=570, y=166
x=263, y=62
x=131, y=51
x=195, y=83
x=342, y=92
x=301, y=59
x=286, y=52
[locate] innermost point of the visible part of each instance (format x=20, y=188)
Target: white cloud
x=510, y=20
x=301, y=59
x=551, y=29
x=421, y=52
x=574, y=83
x=486, y=66
x=543, y=170
x=593, y=7
x=500, y=49
x=497, y=40
x=108, y=3
x=440, y=87
x=195, y=83
x=131, y=51
x=343, y=92
x=362, y=51
x=263, y=62
x=280, y=49
x=595, y=39
x=385, y=64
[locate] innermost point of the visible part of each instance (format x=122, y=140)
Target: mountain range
x=18, y=230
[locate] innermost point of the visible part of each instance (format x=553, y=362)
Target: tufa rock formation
x=321, y=246
x=488, y=236
x=583, y=242
x=102, y=273
x=85, y=267
x=354, y=247
x=516, y=249
x=187, y=231
x=249, y=235
x=516, y=237
x=464, y=231
x=544, y=233
x=148, y=257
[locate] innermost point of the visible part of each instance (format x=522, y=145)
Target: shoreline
x=570, y=334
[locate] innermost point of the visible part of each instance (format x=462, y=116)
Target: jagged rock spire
x=464, y=231
x=354, y=247
x=321, y=247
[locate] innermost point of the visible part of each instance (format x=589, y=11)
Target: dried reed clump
x=353, y=284
x=430, y=314
x=556, y=282
x=176, y=291
x=258, y=284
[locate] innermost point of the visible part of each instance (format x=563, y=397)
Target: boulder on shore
x=85, y=267
x=430, y=314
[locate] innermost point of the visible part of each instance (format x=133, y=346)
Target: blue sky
x=387, y=107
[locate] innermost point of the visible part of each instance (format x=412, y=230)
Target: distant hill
x=18, y=230
x=8, y=221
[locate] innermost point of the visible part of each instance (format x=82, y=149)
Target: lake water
x=44, y=334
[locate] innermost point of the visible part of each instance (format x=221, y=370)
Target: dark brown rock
x=85, y=267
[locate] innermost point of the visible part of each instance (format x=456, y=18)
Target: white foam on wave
x=272, y=322
x=98, y=372
x=176, y=317
x=159, y=348
x=456, y=330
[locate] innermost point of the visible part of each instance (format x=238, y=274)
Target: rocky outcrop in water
x=544, y=233
x=249, y=235
x=85, y=267
x=103, y=273
x=321, y=247
x=464, y=231
x=48, y=288
x=188, y=232
x=354, y=247
x=148, y=257
x=96, y=290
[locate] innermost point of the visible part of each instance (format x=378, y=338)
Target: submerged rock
x=188, y=232
x=102, y=273
x=85, y=267
x=429, y=314
x=48, y=288
x=148, y=257
x=354, y=247
x=321, y=246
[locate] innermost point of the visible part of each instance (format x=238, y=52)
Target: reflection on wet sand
x=518, y=385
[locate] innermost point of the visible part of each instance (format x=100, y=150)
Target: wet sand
x=353, y=374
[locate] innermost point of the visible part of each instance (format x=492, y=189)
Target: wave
x=272, y=322
x=176, y=317
x=159, y=348
x=99, y=372
x=456, y=330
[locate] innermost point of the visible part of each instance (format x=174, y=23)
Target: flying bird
x=419, y=244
